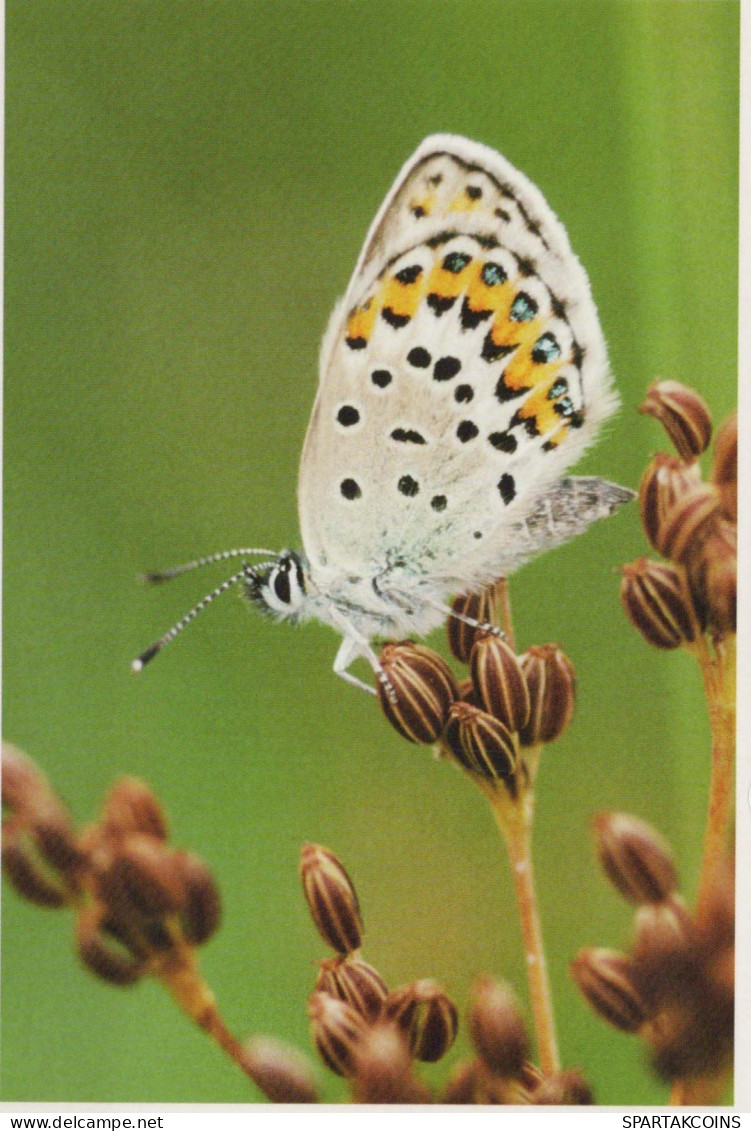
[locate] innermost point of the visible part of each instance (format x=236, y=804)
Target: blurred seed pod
x=606, y=980
x=635, y=857
x=551, y=680
x=665, y=954
x=142, y=880
x=424, y=688
x=497, y=1027
x=131, y=807
x=725, y=468
x=426, y=1015
x=480, y=744
x=657, y=600
x=24, y=786
x=106, y=951
x=27, y=872
x=664, y=483
x=683, y=414
x=336, y=1029
x=353, y=981
x=713, y=579
x=461, y=1087
x=382, y=1069
x=281, y=1072
x=200, y=910
x=481, y=607
x=567, y=1088
x=331, y=898
x=689, y=523
x=499, y=681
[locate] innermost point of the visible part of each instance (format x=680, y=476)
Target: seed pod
x=353, y=981
x=606, y=980
x=24, y=786
x=281, y=1072
x=461, y=1087
x=25, y=870
x=331, y=898
x=382, y=1069
x=683, y=414
x=426, y=1015
x=551, y=680
x=142, y=881
x=200, y=909
x=499, y=681
x=131, y=807
x=104, y=952
x=658, y=602
x=713, y=579
x=725, y=468
x=336, y=1029
x=688, y=523
x=564, y=1089
x=480, y=743
x=498, y=1029
x=424, y=689
x=481, y=607
x=665, y=941
x=635, y=858
x=665, y=481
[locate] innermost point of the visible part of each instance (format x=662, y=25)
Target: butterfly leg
x=447, y=611
x=352, y=646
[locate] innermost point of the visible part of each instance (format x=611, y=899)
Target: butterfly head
x=278, y=588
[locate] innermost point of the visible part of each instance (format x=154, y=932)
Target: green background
x=188, y=186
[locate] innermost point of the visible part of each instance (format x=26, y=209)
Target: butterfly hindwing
x=463, y=372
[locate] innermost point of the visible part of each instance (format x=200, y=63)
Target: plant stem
x=181, y=976
x=503, y=613
x=514, y=820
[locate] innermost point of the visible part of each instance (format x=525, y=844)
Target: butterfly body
x=461, y=375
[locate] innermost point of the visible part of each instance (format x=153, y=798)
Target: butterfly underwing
x=461, y=375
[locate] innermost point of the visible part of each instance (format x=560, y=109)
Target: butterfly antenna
x=140, y=663
x=167, y=574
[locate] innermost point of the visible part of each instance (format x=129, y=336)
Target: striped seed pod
x=481, y=607
x=331, y=898
x=688, y=523
x=606, y=980
x=635, y=857
x=665, y=481
x=725, y=468
x=713, y=579
x=424, y=689
x=499, y=681
x=683, y=414
x=353, y=981
x=426, y=1015
x=658, y=602
x=336, y=1029
x=497, y=1027
x=480, y=744
x=551, y=680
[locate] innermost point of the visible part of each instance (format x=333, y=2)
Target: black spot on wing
x=350, y=489
x=407, y=436
x=395, y=320
x=408, y=486
x=446, y=368
x=470, y=318
x=507, y=488
x=439, y=304
x=419, y=357
x=381, y=378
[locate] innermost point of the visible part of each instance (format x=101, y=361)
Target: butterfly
x=460, y=376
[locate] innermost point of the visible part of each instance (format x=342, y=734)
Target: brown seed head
x=106, y=951
x=551, y=680
x=713, y=579
x=689, y=523
x=683, y=414
x=665, y=481
x=498, y=1029
x=478, y=606
x=281, y=1072
x=336, y=1029
x=142, y=881
x=424, y=689
x=567, y=1088
x=331, y=898
x=725, y=468
x=382, y=1069
x=426, y=1015
x=353, y=981
x=635, y=858
x=200, y=908
x=606, y=979
x=499, y=681
x=480, y=744
x=131, y=807
x=658, y=602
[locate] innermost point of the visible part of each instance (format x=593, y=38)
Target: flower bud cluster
x=501, y=1072
x=361, y=1030
x=691, y=523
x=138, y=901
x=486, y=723
x=675, y=987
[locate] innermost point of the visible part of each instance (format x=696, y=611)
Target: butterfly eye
x=281, y=585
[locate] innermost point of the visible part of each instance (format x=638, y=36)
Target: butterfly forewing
x=463, y=372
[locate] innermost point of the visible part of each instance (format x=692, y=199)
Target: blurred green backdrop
x=171, y=166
